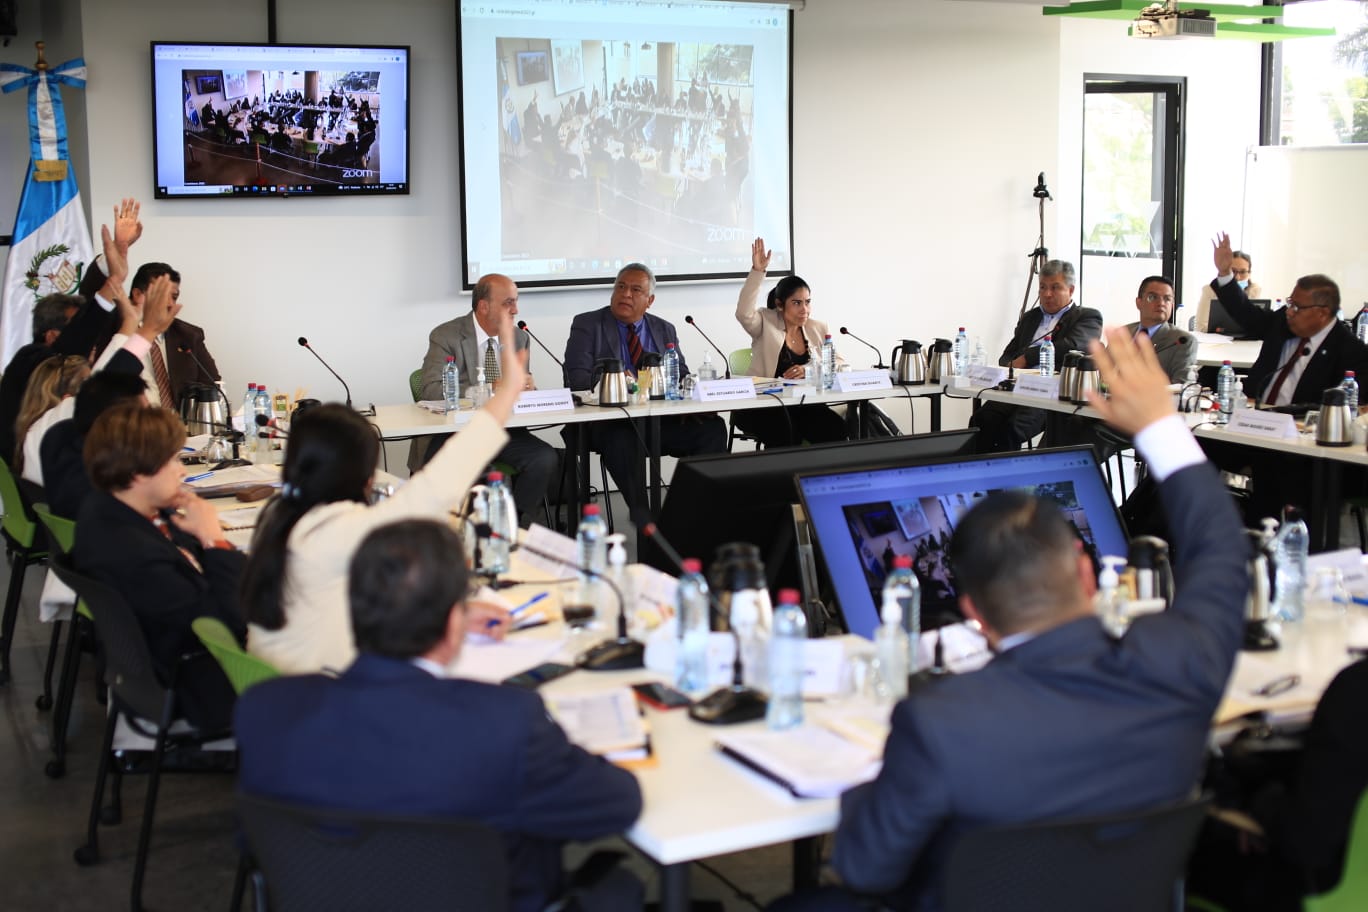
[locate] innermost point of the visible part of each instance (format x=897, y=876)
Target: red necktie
x=634, y=349
x=1282, y=374
x=159, y=373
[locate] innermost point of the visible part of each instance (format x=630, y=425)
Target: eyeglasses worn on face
x=1298, y=308
x=1240, y=272
x=1151, y=297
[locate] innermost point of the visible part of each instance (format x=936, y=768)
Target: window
x=1322, y=83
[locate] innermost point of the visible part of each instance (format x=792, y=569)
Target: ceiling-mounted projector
x=1164, y=20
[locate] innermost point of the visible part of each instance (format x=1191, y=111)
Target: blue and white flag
x=51, y=245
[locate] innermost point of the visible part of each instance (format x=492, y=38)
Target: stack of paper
x=605, y=722
x=810, y=762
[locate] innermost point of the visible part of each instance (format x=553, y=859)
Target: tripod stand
x=1040, y=254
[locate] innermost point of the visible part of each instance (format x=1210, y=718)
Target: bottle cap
x=789, y=597
x=1291, y=513
x=1049, y=337
x=1225, y=363
x=669, y=345
x=902, y=562
x=691, y=565
x=591, y=510
x=1349, y=374
x=494, y=476
x=450, y=358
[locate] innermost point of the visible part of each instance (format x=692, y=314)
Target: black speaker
x=8, y=27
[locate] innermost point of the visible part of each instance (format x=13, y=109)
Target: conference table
x=1327, y=463
x=1213, y=349
x=409, y=420
x=699, y=803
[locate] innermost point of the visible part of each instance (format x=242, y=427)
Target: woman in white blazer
x=784, y=338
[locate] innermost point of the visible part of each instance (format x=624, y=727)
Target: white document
x=810, y=761
x=493, y=662
x=603, y=722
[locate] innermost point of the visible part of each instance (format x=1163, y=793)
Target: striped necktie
x=634, y=348
x=491, y=364
x=163, y=378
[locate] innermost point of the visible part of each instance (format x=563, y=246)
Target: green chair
x=1351, y=894
x=416, y=384
x=19, y=529
x=739, y=362
x=61, y=534
x=241, y=669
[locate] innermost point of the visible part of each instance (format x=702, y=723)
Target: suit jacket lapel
x=465, y=341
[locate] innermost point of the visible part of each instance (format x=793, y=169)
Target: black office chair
x=311, y=858
x=144, y=702
x=1123, y=863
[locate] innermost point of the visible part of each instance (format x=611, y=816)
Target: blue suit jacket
x=594, y=335
x=1068, y=724
x=388, y=737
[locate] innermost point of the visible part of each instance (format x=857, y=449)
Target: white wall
x=919, y=129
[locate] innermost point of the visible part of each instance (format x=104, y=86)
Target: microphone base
x=729, y=706
x=617, y=654
x=1257, y=638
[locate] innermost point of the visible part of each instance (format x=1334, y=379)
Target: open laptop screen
x=862, y=518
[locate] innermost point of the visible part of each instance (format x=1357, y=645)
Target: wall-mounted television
x=271, y=120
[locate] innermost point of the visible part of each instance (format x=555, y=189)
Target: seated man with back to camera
x=1065, y=721
x=1071, y=326
x=395, y=734
x=473, y=340
x=624, y=331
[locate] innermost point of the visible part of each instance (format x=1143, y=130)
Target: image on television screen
x=239, y=120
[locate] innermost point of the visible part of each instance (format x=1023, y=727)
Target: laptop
x=862, y=518
x=1219, y=319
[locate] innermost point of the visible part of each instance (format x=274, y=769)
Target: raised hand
x=1222, y=254
x=116, y=259
x=1137, y=385
x=760, y=257
x=127, y=228
x=159, y=307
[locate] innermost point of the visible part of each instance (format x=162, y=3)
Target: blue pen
x=200, y=477
x=529, y=603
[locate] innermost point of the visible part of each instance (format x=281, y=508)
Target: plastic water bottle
x=1225, y=393
x=903, y=587
x=249, y=416
x=1290, y=548
x=618, y=575
x=828, y=363
x=892, y=647
x=451, y=385
x=503, y=523
x=694, y=619
x=1110, y=605
x=786, y=662
x=980, y=357
x=592, y=562
x=707, y=370
x=672, y=391
x=961, y=353
x=1350, y=386
x=1047, y=356
x=1361, y=324
x=262, y=445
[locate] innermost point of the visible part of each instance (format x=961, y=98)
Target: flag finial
x=42, y=63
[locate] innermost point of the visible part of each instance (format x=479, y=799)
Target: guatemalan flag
x=51, y=245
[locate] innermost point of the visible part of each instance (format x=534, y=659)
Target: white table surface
x=1240, y=354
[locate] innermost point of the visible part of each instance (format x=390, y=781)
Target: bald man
x=470, y=339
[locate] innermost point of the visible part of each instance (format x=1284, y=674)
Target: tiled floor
x=193, y=859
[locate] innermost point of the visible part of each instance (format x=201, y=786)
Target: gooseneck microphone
x=611, y=655
x=878, y=354
x=522, y=324
x=188, y=351
x=304, y=343
x=726, y=362
x=725, y=705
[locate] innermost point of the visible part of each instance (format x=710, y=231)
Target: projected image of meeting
x=604, y=140
x=270, y=120
x=920, y=528
x=624, y=131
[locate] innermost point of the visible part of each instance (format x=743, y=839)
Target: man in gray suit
x=1176, y=349
x=470, y=339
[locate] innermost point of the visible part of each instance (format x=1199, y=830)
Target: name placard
x=985, y=375
x=719, y=390
x=534, y=402
x=1275, y=425
x=853, y=381
x=1036, y=386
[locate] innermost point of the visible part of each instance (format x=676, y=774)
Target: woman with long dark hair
x=294, y=590
x=784, y=338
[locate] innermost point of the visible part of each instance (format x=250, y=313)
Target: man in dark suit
x=1064, y=721
x=1070, y=327
x=1175, y=349
x=1305, y=350
x=395, y=734
x=469, y=339
x=184, y=357
x=614, y=332
x=71, y=324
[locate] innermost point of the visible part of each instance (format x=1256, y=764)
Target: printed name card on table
x=854, y=381
x=535, y=402
x=1275, y=425
x=1037, y=386
x=985, y=375
x=721, y=390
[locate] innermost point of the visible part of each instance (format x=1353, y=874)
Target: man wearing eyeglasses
x=1306, y=350
x=1176, y=349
